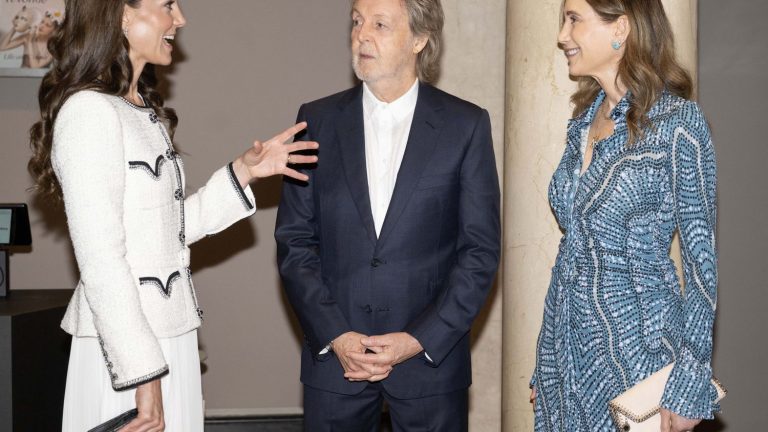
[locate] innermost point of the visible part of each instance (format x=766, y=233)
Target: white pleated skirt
x=89, y=399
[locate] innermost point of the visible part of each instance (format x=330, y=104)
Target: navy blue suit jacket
x=429, y=271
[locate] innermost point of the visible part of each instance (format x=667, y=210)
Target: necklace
x=597, y=125
x=593, y=142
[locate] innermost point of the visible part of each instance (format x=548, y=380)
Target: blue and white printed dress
x=615, y=312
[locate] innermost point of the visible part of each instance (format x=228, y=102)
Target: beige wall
x=50, y=264
x=246, y=73
x=733, y=60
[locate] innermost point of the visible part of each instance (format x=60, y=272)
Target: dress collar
x=618, y=113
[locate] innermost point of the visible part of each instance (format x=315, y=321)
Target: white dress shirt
x=387, y=126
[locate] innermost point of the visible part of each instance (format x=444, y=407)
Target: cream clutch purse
x=638, y=410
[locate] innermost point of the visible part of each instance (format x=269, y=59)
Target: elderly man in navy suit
x=387, y=254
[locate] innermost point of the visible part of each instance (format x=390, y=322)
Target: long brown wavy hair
x=649, y=65
x=89, y=52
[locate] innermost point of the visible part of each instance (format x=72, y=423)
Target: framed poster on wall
x=25, y=28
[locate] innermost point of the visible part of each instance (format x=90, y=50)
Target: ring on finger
x=289, y=159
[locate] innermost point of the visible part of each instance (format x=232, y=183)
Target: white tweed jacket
x=131, y=225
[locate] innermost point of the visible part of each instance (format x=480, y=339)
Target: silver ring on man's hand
x=289, y=159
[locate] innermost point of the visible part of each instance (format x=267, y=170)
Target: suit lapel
x=422, y=141
x=351, y=134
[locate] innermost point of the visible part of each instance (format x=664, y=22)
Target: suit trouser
x=333, y=412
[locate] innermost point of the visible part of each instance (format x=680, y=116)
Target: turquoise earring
x=616, y=45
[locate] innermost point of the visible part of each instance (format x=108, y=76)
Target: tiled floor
x=284, y=424
x=268, y=424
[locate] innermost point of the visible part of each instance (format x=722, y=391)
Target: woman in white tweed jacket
x=104, y=144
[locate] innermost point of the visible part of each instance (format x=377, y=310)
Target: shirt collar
x=618, y=113
x=400, y=108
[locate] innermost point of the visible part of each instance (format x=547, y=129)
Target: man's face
x=383, y=47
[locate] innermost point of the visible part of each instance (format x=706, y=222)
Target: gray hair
x=426, y=19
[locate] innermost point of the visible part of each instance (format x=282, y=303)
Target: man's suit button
x=376, y=262
x=367, y=308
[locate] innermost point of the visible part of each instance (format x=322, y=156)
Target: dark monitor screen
x=14, y=225
x=5, y=225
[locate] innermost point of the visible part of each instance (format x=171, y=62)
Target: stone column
x=473, y=69
x=683, y=15
x=537, y=110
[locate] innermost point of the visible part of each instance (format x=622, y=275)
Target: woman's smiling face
x=151, y=29
x=586, y=40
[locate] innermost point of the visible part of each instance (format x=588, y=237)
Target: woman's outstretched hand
x=274, y=157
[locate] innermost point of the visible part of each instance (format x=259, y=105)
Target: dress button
x=170, y=154
x=178, y=194
x=182, y=237
x=153, y=117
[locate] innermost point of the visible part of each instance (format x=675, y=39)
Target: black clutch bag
x=117, y=423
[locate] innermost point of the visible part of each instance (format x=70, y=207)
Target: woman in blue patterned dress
x=638, y=165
